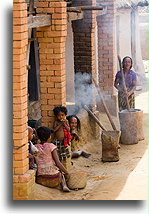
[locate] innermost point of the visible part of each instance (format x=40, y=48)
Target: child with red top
x=62, y=134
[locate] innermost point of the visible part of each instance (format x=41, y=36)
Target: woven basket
x=77, y=180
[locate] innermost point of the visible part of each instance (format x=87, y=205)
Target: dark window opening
x=33, y=73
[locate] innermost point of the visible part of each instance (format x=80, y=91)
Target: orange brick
x=15, y=179
x=58, y=4
x=47, y=84
x=60, y=85
x=18, y=143
x=59, y=16
x=54, y=91
x=45, y=40
x=19, y=136
x=20, y=44
x=46, y=73
x=19, y=71
x=20, y=78
x=18, y=1
x=47, y=61
x=44, y=113
x=39, y=34
x=20, y=14
x=18, y=21
x=48, y=10
x=46, y=50
x=21, y=6
x=18, y=51
x=21, y=28
x=56, y=45
x=22, y=113
x=20, y=128
x=47, y=96
x=43, y=67
x=59, y=61
x=19, y=57
x=20, y=36
x=60, y=10
x=46, y=108
x=59, y=96
x=21, y=121
x=56, y=67
x=58, y=73
x=55, y=56
x=61, y=27
x=59, y=50
x=42, y=4
x=42, y=45
x=19, y=64
x=19, y=85
x=43, y=56
x=21, y=163
x=21, y=171
x=60, y=22
x=25, y=178
x=54, y=79
x=59, y=39
x=17, y=107
x=55, y=102
x=43, y=90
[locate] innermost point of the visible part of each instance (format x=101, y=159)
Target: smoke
x=83, y=89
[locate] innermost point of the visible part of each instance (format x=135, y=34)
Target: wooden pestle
x=124, y=84
x=94, y=117
x=105, y=107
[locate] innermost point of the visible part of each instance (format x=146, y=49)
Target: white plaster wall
x=138, y=62
x=124, y=41
x=124, y=31
x=144, y=39
x=143, y=26
x=69, y=50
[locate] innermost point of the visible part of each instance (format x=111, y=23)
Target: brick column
x=23, y=179
x=84, y=50
x=107, y=47
x=52, y=58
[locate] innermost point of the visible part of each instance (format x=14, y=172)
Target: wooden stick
x=124, y=84
x=19, y=147
x=94, y=117
x=105, y=107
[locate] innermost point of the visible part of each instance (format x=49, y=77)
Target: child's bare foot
x=66, y=189
x=85, y=154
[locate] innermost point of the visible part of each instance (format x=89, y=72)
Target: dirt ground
x=122, y=180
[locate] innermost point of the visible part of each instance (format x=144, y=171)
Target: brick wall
x=52, y=58
x=84, y=45
x=23, y=179
x=107, y=47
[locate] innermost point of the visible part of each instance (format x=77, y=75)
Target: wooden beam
x=78, y=9
x=39, y=21
x=71, y=16
x=75, y=13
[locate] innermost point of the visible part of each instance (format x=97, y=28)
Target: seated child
x=33, y=151
x=75, y=126
x=62, y=134
x=49, y=169
x=34, y=124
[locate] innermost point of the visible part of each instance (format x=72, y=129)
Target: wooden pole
x=124, y=84
x=105, y=107
x=94, y=117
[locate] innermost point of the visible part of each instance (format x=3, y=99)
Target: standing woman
x=130, y=81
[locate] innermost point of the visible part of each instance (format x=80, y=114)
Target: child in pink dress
x=49, y=169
